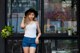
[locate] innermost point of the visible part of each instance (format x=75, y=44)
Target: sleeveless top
x=30, y=30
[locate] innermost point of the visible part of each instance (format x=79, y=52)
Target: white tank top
x=30, y=30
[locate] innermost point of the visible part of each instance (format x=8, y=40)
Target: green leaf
x=6, y=31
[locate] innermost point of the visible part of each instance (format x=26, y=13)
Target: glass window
x=60, y=46
x=59, y=16
x=16, y=10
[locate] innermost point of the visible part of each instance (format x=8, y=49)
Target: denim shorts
x=28, y=42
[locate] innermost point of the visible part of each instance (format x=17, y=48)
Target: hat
x=33, y=11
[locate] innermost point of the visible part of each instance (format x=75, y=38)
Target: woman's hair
x=31, y=10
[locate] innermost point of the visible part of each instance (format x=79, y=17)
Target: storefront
x=59, y=23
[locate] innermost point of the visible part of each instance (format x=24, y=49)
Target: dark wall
x=78, y=23
x=2, y=23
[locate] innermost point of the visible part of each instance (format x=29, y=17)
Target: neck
x=31, y=20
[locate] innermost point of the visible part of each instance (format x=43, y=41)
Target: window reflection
x=60, y=46
x=15, y=12
x=59, y=16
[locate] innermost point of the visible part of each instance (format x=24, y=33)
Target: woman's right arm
x=22, y=24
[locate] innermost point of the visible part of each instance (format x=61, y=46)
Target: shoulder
x=37, y=23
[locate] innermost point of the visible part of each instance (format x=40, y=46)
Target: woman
x=30, y=26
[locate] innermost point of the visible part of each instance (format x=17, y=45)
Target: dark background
x=3, y=23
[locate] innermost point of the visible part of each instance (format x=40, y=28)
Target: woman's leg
x=32, y=49
x=26, y=49
x=33, y=46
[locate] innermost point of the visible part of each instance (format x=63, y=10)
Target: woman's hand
x=39, y=33
x=37, y=41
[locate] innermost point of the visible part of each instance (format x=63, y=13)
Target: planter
x=69, y=32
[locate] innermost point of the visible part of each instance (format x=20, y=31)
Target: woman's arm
x=22, y=24
x=39, y=31
x=39, y=34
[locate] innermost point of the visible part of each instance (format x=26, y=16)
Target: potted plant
x=6, y=31
x=69, y=31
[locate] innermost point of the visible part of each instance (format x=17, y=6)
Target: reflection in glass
x=15, y=12
x=14, y=46
x=62, y=13
x=60, y=46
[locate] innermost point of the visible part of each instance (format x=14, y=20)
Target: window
x=59, y=16
x=15, y=12
x=60, y=46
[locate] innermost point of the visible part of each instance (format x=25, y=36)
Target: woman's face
x=31, y=16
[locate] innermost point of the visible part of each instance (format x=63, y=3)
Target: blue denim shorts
x=28, y=42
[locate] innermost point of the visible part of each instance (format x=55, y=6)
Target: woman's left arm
x=39, y=31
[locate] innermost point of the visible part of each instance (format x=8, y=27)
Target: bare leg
x=26, y=49
x=32, y=50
